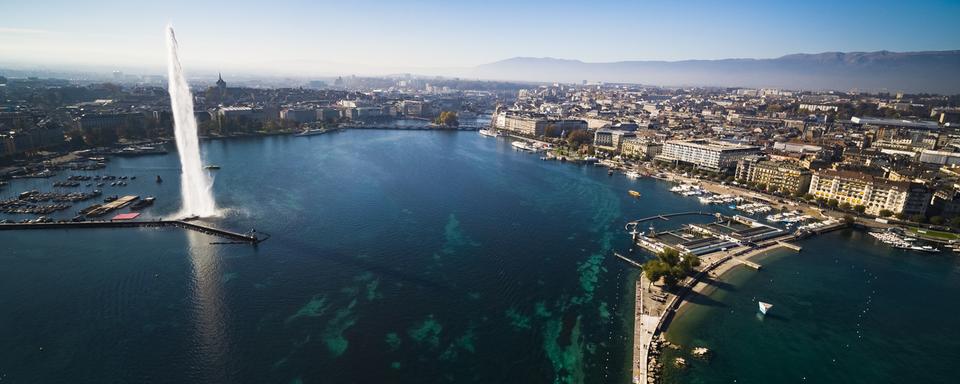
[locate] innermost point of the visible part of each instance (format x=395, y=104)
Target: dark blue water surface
x=412, y=257
x=396, y=257
x=847, y=309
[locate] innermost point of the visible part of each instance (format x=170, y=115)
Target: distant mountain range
x=931, y=71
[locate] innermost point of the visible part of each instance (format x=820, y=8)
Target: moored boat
x=523, y=146
x=490, y=132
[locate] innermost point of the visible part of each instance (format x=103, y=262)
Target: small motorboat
x=764, y=307
x=212, y=167
x=159, y=180
x=634, y=193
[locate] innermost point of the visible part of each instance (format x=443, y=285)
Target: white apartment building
x=712, y=155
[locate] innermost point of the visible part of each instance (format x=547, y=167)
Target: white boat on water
x=523, y=146
x=764, y=307
x=311, y=132
x=633, y=174
x=490, y=132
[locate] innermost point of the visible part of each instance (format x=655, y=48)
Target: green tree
x=809, y=197
x=833, y=203
x=849, y=219
x=936, y=220
x=918, y=218
x=845, y=206
x=447, y=119
x=655, y=269
x=578, y=138
x=886, y=213
x=860, y=209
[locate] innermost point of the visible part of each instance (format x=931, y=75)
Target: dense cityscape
x=885, y=155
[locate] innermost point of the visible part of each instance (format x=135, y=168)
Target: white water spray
x=195, y=185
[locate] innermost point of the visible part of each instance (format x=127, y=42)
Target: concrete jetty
x=748, y=263
x=251, y=237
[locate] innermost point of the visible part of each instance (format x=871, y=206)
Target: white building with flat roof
x=711, y=155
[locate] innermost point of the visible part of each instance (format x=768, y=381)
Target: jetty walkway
x=666, y=216
x=655, y=307
x=251, y=237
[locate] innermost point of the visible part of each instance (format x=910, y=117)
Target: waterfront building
x=536, y=125
x=90, y=122
x=787, y=177
x=367, y=112
x=328, y=114
x=715, y=156
x=299, y=115
x=611, y=139
x=237, y=113
x=35, y=138
x=874, y=193
x=411, y=108
x=634, y=146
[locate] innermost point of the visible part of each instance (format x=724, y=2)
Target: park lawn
x=935, y=234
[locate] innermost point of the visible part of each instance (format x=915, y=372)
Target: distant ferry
x=211, y=167
x=490, y=132
x=311, y=132
x=764, y=307
x=523, y=146
x=141, y=150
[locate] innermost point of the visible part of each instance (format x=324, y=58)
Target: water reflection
x=211, y=347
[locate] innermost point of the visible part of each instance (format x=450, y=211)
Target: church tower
x=221, y=86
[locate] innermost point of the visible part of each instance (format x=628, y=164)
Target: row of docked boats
x=902, y=242
x=790, y=217
x=719, y=199
x=688, y=190
x=753, y=208
x=816, y=225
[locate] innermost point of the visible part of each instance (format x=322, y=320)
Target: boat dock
x=251, y=237
x=113, y=205
x=668, y=216
x=628, y=260
x=790, y=245
x=748, y=263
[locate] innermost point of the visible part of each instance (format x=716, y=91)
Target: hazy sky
x=324, y=37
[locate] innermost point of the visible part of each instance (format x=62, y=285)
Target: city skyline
x=379, y=38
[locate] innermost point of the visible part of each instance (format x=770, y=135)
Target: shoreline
x=650, y=329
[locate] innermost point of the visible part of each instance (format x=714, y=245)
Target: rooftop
x=895, y=122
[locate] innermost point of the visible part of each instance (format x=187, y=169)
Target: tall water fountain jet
x=196, y=188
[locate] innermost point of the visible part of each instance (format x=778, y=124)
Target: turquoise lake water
x=847, y=309
x=415, y=257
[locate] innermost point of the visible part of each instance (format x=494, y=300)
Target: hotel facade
x=874, y=193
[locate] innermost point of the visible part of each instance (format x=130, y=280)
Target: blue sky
x=323, y=37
